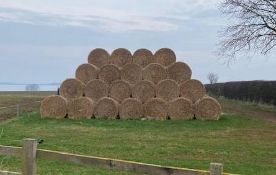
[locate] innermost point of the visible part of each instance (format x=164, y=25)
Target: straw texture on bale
x=86, y=72
x=53, y=106
x=80, y=108
x=164, y=56
x=72, y=88
x=132, y=73
x=98, y=57
x=109, y=73
x=142, y=57
x=154, y=72
x=181, y=108
x=120, y=90
x=192, y=89
x=143, y=90
x=155, y=109
x=96, y=89
x=120, y=57
x=131, y=108
x=167, y=90
x=179, y=72
x=207, y=108
x=106, y=108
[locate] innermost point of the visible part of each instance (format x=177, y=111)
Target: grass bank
x=245, y=145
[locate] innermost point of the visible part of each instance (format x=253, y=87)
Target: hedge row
x=256, y=91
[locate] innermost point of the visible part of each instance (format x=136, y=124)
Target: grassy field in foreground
x=245, y=145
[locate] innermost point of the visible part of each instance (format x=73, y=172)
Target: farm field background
x=244, y=139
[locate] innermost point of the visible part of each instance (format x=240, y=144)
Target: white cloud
x=113, y=15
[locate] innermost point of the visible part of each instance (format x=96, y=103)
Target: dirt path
x=268, y=113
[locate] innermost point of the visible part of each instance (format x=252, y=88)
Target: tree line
x=254, y=91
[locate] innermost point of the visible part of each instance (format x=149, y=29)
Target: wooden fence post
x=216, y=169
x=17, y=110
x=29, y=156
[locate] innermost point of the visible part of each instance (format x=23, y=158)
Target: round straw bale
x=181, y=108
x=80, y=108
x=164, y=56
x=53, y=106
x=167, y=90
x=98, y=57
x=154, y=72
x=72, y=88
x=120, y=57
x=131, y=108
x=96, y=89
x=132, y=73
x=179, y=72
x=143, y=90
x=106, y=108
x=207, y=108
x=192, y=89
x=86, y=72
x=109, y=73
x=142, y=57
x=155, y=108
x=119, y=90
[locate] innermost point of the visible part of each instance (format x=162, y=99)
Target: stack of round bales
x=125, y=86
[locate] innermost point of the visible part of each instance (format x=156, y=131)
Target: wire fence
x=18, y=109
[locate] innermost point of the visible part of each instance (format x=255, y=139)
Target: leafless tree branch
x=254, y=29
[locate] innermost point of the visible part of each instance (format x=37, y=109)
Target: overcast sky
x=45, y=41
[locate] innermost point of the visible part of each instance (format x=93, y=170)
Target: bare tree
x=213, y=78
x=254, y=28
x=32, y=87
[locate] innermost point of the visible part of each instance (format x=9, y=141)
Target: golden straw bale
x=106, y=108
x=154, y=72
x=179, y=72
x=207, y=108
x=181, y=108
x=132, y=73
x=142, y=57
x=109, y=73
x=120, y=90
x=86, y=72
x=155, y=109
x=143, y=90
x=96, y=89
x=98, y=57
x=53, y=106
x=80, y=108
x=72, y=88
x=192, y=89
x=120, y=57
x=164, y=56
x=131, y=108
x=167, y=90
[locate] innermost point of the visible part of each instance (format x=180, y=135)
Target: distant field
x=243, y=140
x=24, y=99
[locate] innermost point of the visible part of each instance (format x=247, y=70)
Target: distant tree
x=254, y=29
x=213, y=78
x=32, y=87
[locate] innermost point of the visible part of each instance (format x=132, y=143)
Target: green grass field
x=245, y=145
x=244, y=139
